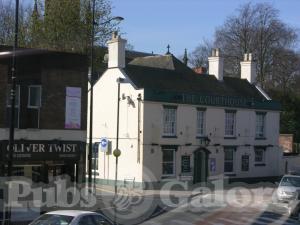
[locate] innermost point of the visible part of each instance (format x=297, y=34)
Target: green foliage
x=63, y=25
x=289, y=120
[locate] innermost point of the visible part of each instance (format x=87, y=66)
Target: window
x=168, y=162
x=260, y=125
x=169, y=121
x=95, y=156
x=259, y=155
x=34, y=96
x=53, y=219
x=230, y=123
x=99, y=220
x=200, y=122
x=229, y=159
x=86, y=220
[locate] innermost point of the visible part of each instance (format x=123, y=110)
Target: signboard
x=43, y=150
x=185, y=164
x=245, y=162
x=73, y=108
x=214, y=100
x=103, y=145
x=212, y=165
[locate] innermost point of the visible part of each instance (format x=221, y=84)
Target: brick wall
x=54, y=72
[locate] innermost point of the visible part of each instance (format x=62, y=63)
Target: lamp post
x=117, y=151
x=13, y=93
x=92, y=77
x=12, y=103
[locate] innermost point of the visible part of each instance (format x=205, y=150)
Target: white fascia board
x=263, y=92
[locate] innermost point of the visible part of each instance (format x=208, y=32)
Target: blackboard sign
x=185, y=164
x=245, y=162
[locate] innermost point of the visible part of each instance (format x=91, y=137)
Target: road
x=200, y=211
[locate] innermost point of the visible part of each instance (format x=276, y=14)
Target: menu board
x=185, y=164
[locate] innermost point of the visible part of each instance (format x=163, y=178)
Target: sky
x=150, y=25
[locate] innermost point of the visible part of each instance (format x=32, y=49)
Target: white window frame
x=174, y=162
x=233, y=149
x=260, y=124
x=40, y=100
x=263, y=150
x=167, y=125
x=227, y=112
x=201, y=122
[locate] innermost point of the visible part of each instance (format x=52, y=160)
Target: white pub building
x=177, y=124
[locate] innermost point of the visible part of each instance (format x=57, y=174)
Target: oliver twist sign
x=43, y=150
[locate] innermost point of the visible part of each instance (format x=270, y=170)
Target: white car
x=288, y=188
x=71, y=217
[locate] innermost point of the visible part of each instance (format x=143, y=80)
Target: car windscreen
x=53, y=219
x=290, y=181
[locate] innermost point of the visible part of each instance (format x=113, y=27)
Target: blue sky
x=150, y=25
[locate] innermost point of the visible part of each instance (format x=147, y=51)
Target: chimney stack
x=116, y=51
x=248, y=68
x=216, y=64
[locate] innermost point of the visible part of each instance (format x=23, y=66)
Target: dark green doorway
x=200, y=165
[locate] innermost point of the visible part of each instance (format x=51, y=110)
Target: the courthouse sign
x=211, y=100
x=43, y=150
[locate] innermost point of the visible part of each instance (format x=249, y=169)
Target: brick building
x=51, y=102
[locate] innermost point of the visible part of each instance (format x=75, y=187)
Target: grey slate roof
x=167, y=73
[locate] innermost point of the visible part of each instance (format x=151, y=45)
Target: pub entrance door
x=200, y=165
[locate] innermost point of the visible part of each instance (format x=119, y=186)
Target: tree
x=199, y=57
x=285, y=70
x=7, y=22
x=289, y=118
x=256, y=29
x=63, y=25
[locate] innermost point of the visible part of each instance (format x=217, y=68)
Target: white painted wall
x=105, y=125
x=215, y=126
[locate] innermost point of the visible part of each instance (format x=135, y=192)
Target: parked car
x=294, y=207
x=288, y=187
x=71, y=217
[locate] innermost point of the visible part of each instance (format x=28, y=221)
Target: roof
x=166, y=79
x=166, y=72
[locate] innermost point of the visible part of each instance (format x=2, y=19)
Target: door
x=200, y=165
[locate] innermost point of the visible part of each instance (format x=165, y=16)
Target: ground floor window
x=259, y=155
x=95, y=156
x=229, y=159
x=168, y=162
